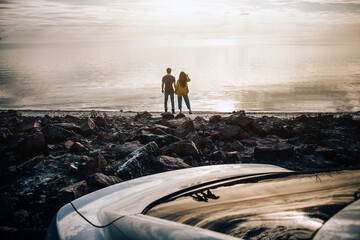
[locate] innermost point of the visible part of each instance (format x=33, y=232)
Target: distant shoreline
x=110, y=113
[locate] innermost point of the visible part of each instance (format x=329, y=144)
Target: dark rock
x=272, y=148
x=302, y=118
x=7, y=207
x=29, y=164
x=28, y=125
x=237, y=145
x=233, y=157
x=20, y=217
x=88, y=127
x=139, y=162
x=70, y=119
x=300, y=129
x=14, y=140
x=180, y=115
x=123, y=136
x=146, y=138
x=92, y=165
x=184, y=129
x=23, y=233
x=195, y=137
x=33, y=144
x=174, y=123
x=167, y=115
x=4, y=133
x=208, y=143
x=215, y=119
x=344, y=159
x=219, y=156
x=104, y=137
x=345, y=119
x=166, y=140
x=239, y=119
x=122, y=150
x=283, y=132
x=56, y=134
x=101, y=122
x=230, y=131
x=142, y=115
x=326, y=152
x=99, y=180
x=162, y=128
x=69, y=126
x=215, y=135
x=72, y=192
x=165, y=163
x=68, y=144
x=78, y=148
x=185, y=148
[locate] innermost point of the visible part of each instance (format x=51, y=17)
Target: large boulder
x=33, y=144
x=88, y=127
x=185, y=148
x=122, y=150
x=184, y=129
x=56, y=134
x=215, y=119
x=165, y=163
x=99, y=180
x=70, y=193
x=28, y=125
x=272, y=148
x=233, y=132
x=139, y=162
x=166, y=140
x=174, y=123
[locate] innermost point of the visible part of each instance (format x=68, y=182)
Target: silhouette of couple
x=180, y=88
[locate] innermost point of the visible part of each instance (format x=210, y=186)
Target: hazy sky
x=69, y=20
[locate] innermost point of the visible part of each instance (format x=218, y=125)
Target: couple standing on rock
x=181, y=90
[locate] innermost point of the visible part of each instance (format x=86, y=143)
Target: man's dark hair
x=168, y=70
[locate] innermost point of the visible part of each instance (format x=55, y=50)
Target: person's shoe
x=173, y=111
x=190, y=112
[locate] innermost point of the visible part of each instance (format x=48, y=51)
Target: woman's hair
x=183, y=78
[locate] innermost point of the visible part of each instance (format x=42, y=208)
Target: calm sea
x=288, y=77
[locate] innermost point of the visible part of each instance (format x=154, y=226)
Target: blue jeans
x=166, y=100
x=186, y=99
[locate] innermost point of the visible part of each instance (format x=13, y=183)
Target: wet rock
x=272, y=148
x=325, y=152
x=78, y=148
x=142, y=115
x=32, y=144
x=56, y=134
x=180, y=115
x=215, y=119
x=7, y=207
x=185, y=148
x=122, y=150
x=165, y=163
x=20, y=217
x=72, y=192
x=88, y=127
x=99, y=180
x=29, y=125
x=139, y=162
x=167, y=115
x=184, y=129
x=4, y=133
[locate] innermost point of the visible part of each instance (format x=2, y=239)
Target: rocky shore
x=47, y=161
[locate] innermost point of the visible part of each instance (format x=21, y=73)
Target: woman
x=182, y=90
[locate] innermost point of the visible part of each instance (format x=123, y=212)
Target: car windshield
x=289, y=207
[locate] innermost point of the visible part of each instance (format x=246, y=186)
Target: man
x=169, y=82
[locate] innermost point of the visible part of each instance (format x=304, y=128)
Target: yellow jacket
x=181, y=91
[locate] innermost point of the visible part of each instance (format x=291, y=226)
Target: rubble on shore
x=48, y=161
